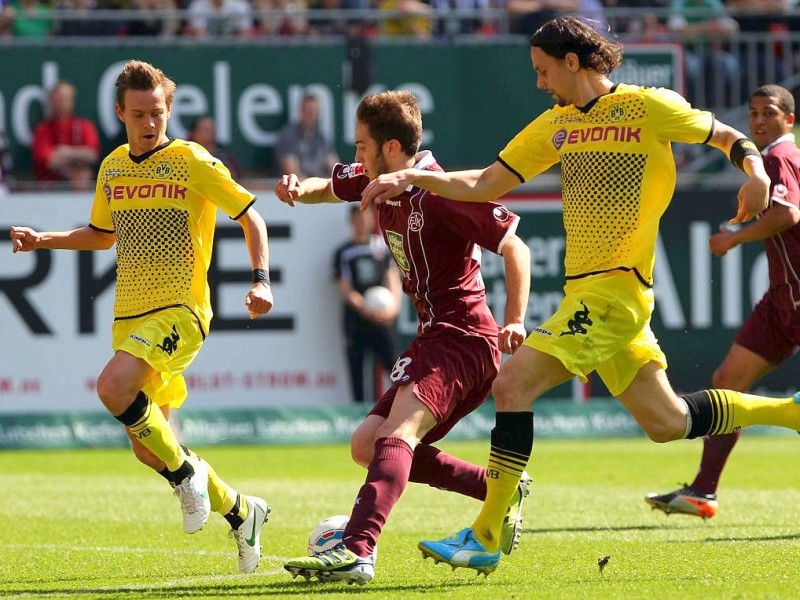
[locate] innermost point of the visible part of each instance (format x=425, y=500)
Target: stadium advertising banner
x=56, y=309
x=253, y=90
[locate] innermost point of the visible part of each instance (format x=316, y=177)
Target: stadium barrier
x=602, y=417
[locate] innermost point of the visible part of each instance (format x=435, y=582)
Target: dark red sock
x=446, y=472
x=387, y=476
x=716, y=449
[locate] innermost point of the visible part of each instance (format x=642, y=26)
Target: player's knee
x=106, y=390
x=505, y=394
x=361, y=449
x=728, y=379
x=662, y=432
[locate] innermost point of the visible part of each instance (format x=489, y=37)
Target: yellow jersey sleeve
x=675, y=119
x=531, y=152
x=211, y=179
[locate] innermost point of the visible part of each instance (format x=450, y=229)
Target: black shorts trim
x=160, y=308
x=633, y=270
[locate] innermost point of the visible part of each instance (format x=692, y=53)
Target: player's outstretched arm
x=25, y=239
x=753, y=195
x=517, y=260
x=477, y=185
x=259, y=299
x=314, y=190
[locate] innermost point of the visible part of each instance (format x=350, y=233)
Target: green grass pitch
x=97, y=524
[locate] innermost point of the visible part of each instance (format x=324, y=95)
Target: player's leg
x=150, y=354
x=430, y=465
x=760, y=345
x=245, y=514
x=665, y=417
x=594, y=321
x=387, y=477
x=523, y=378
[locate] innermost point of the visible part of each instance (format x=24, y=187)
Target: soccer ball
x=378, y=298
x=328, y=534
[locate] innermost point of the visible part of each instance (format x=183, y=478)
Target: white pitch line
x=127, y=549
x=159, y=585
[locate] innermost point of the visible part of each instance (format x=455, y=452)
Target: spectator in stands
x=321, y=23
x=220, y=18
x=412, y=18
x=65, y=147
x=302, y=147
x=776, y=60
x=5, y=18
x=447, y=23
x=81, y=22
x=292, y=22
x=28, y=19
x=204, y=132
x=528, y=15
x=152, y=24
x=703, y=26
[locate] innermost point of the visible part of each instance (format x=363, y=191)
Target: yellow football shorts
x=603, y=325
x=168, y=340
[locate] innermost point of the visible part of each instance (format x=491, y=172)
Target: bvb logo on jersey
x=616, y=113
x=162, y=170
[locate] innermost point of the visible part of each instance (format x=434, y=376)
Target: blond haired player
x=157, y=199
x=618, y=174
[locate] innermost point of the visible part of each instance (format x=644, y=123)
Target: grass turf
x=97, y=524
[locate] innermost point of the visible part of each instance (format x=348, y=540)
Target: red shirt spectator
x=65, y=147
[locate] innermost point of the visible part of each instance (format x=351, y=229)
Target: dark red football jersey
x=782, y=163
x=437, y=244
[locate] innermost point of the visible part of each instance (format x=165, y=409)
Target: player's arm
x=25, y=239
x=259, y=299
x=776, y=219
x=314, y=190
x=396, y=287
x=476, y=185
x=517, y=261
x=754, y=193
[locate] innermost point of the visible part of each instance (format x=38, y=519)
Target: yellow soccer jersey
x=162, y=206
x=617, y=172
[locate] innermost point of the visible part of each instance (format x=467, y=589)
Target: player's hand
x=288, y=189
x=721, y=242
x=23, y=239
x=380, y=317
x=753, y=199
x=386, y=186
x=511, y=337
x=259, y=300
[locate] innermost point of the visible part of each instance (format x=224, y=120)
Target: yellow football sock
x=503, y=473
x=714, y=412
x=223, y=496
x=147, y=424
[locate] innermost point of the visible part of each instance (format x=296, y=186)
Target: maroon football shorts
x=771, y=333
x=452, y=374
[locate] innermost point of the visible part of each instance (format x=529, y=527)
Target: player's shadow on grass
x=259, y=588
x=532, y=530
x=757, y=538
